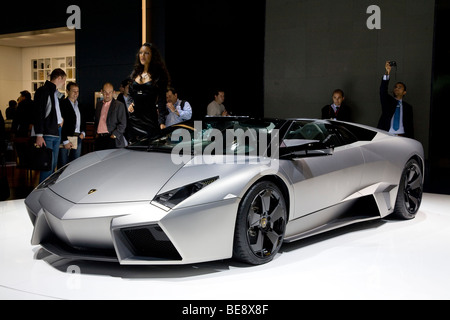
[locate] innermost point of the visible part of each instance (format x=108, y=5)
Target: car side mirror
x=295, y=149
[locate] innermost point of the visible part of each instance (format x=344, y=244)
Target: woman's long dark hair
x=157, y=67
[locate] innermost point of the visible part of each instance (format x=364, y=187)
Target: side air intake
x=150, y=242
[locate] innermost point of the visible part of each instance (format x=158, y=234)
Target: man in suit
x=397, y=115
x=74, y=126
x=338, y=110
x=110, y=121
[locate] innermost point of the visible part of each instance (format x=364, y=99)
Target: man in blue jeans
x=74, y=116
x=48, y=119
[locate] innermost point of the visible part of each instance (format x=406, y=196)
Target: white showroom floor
x=379, y=260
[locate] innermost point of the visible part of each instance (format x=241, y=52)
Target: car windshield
x=242, y=136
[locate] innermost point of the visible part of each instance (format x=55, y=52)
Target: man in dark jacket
x=110, y=121
x=48, y=120
x=24, y=115
x=397, y=115
x=338, y=110
x=74, y=129
x=11, y=110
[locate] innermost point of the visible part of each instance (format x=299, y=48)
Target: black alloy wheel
x=410, y=191
x=260, y=225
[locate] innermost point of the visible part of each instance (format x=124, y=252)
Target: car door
x=322, y=182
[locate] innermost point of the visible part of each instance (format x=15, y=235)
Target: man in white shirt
x=179, y=110
x=216, y=107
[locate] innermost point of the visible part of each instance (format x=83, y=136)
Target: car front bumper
x=134, y=233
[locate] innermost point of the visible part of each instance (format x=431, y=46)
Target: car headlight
x=172, y=198
x=52, y=179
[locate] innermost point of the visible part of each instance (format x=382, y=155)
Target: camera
x=393, y=63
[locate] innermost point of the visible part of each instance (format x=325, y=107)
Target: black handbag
x=40, y=159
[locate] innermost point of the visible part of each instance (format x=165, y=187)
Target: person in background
x=74, y=126
x=24, y=115
x=3, y=144
x=338, y=110
x=11, y=110
x=127, y=101
x=397, y=115
x=21, y=124
x=110, y=121
x=179, y=110
x=216, y=107
x=124, y=96
x=48, y=121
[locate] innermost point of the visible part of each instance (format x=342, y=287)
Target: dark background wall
x=439, y=175
x=206, y=45
x=217, y=44
x=107, y=44
x=315, y=47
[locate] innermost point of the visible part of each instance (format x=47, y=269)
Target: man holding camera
x=397, y=115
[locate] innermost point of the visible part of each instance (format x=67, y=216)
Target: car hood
x=115, y=176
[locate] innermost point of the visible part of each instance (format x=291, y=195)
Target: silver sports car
x=225, y=188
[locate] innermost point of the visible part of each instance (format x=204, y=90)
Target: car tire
x=260, y=224
x=410, y=191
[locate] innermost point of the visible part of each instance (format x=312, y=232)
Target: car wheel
x=410, y=191
x=260, y=225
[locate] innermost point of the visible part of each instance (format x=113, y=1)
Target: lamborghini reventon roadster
x=225, y=188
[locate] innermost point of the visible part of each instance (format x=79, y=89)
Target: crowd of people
x=147, y=104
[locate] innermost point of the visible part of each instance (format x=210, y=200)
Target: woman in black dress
x=148, y=90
